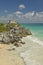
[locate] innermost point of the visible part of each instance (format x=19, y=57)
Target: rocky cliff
x=13, y=33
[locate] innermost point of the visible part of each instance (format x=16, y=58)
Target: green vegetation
x=13, y=25
x=5, y=27
x=12, y=32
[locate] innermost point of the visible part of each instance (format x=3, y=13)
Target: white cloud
x=29, y=14
x=32, y=17
x=27, y=17
x=18, y=13
x=7, y=17
x=5, y=11
x=21, y=6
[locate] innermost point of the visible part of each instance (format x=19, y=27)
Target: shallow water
x=32, y=52
x=36, y=29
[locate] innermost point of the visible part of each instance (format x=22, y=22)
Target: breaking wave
x=30, y=55
x=34, y=39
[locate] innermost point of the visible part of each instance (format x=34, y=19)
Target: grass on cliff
x=5, y=27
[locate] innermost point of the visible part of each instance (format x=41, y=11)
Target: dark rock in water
x=13, y=48
x=21, y=42
x=16, y=45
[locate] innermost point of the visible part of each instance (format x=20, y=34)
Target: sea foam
x=28, y=55
x=36, y=40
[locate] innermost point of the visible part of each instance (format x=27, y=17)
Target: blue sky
x=27, y=11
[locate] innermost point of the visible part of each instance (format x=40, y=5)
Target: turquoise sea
x=36, y=29
x=32, y=51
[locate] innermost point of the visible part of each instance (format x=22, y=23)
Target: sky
x=22, y=11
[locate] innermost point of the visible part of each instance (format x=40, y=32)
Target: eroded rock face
x=15, y=33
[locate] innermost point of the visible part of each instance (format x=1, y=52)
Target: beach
x=32, y=52
x=11, y=43
x=9, y=57
x=21, y=32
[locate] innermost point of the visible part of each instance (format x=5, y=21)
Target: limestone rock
x=14, y=35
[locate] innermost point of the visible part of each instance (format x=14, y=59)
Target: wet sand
x=32, y=52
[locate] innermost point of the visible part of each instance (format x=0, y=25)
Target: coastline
x=11, y=44
x=32, y=52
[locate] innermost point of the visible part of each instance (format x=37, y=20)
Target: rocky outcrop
x=14, y=34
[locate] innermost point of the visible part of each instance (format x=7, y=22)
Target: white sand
x=31, y=52
x=9, y=57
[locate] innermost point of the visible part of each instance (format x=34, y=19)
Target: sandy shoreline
x=32, y=52
x=9, y=57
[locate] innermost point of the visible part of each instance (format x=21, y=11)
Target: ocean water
x=32, y=51
x=36, y=29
